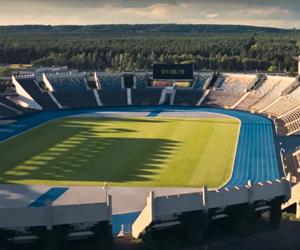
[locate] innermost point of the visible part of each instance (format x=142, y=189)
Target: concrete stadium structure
x=267, y=106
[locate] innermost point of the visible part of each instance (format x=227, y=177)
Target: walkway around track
x=256, y=157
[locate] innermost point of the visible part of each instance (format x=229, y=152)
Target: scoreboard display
x=173, y=72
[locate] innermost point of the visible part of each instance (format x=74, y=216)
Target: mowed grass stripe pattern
x=174, y=152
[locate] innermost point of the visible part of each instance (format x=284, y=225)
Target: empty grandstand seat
x=229, y=88
x=110, y=81
x=146, y=96
x=200, y=81
x=235, y=83
x=68, y=85
x=187, y=97
x=141, y=81
x=72, y=92
x=276, y=85
x=6, y=112
x=9, y=103
x=284, y=104
x=42, y=98
x=112, y=97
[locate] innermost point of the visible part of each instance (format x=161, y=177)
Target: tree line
x=123, y=48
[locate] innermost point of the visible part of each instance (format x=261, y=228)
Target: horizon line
x=158, y=23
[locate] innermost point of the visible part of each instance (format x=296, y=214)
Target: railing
x=54, y=215
x=167, y=208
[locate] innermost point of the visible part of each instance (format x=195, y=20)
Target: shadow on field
x=80, y=154
x=16, y=195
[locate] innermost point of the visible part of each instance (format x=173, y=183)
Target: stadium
x=107, y=154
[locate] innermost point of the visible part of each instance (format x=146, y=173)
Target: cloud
x=157, y=11
x=252, y=12
x=212, y=15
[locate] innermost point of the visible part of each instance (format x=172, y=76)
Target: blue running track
x=257, y=158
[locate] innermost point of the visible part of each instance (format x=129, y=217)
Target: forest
x=136, y=47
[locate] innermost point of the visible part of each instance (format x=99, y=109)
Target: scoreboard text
x=173, y=72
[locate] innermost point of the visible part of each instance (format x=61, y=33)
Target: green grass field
x=187, y=152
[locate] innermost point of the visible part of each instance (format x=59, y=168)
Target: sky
x=273, y=13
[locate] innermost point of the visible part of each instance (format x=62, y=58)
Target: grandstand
x=141, y=80
x=291, y=120
x=149, y=96
x=260, y=102
x=187, y=97
x=72, y=91
x=9, y=108
x=110, y=81
x=29, y=88
x=276, y=96
x=229, y=89
x=110, y=97
x=284, y=104
x=201, y=80
x=279, y=84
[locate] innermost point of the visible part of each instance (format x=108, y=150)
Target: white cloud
x=212, y=15
x=160, y=11
x=262, y=13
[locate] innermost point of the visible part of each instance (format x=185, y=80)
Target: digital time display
x=173, y=72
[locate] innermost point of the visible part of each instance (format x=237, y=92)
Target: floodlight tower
x=298, y=60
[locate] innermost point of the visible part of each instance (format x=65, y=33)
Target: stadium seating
x=113, y=97
x=69, y=85
x=110, y=81
x=6, y=112
x=141, y=81
x=268, y=91
x=237, y=83
x=6, y=101
x=277, y=96
x=291, y=120
x=9, y=108
x=277, y=86
x=291, y=116
x=146, y=96
x=229, y=88
x=72, y=92
x=285, y=104
x=187, y=97
x=32, y=88
x=200, y=80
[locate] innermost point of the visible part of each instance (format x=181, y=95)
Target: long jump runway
x=256, y=159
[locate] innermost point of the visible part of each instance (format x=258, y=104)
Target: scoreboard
x=173, y=72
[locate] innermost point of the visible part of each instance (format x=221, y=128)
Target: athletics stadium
x=95, y=154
